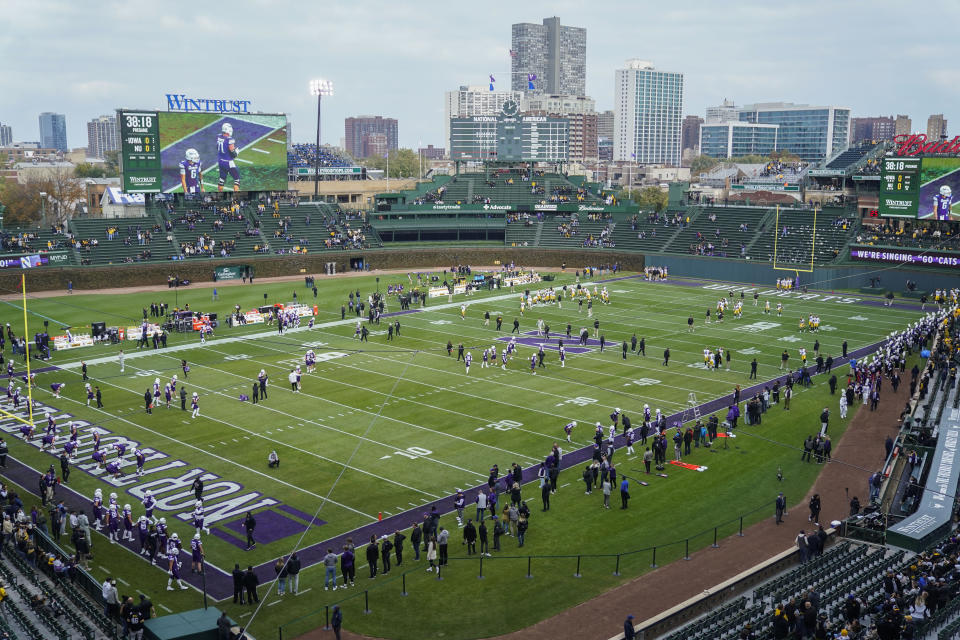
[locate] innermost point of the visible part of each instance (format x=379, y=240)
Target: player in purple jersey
x=942, y=202
x=568, y=429
x=161, y=535
x=98, y=457
x=141, y=459
x=97, y=509
x=113, y=468
x=198, y=518
x=195, y=405
x=149, y=502
x=70, y=448
x=227, y=157
x=533, y=364
x=468, y=360
x=191, y=172
x=121, y=448
x=143, y=533
x=127, y=523
x=57, y=387
x=173, y=547
x=503, y=360
x=113, y=523
x=196, y=554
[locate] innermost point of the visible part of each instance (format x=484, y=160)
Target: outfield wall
x=48, y=278
x=98, y=278
x=827, y=277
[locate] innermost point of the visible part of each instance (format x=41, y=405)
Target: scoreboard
x=140, y=151
x=900, y=187
x=510, y=139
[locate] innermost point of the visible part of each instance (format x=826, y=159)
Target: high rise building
x=647, y=115
x=357, y=127
x=872, y=128
x=374, y=145
x=6, y=135
x=724, y=112
x=431, y=152
x=53, y=131
x=605, y=124
x=733, y=139
x=902, y=125
x=468, y=101
x=690, y=132
x=101, y=136
x=810, y=132
x=936, y=127
x=555, y=54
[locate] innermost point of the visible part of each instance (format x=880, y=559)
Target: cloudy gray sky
x=397, y=58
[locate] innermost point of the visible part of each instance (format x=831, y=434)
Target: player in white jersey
x=468, y=360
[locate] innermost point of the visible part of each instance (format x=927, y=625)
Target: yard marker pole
x=26, y=347
x=776, y=236
x=813, y=246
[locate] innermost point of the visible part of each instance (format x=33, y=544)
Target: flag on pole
x=492, y=80
x=530, y=79
x=513, y=54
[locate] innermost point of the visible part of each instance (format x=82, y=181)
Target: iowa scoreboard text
x=900, y=187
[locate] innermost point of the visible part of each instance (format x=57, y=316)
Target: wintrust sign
x=180, y=102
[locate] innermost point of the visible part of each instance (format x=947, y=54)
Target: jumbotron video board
x=509, y=137
x=193, y=153
x=927, y=188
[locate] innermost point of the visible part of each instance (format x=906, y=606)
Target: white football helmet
x=193, y=156
x=196, y=536
x=142, y=519
x=113, y=496
x=126, y=507
x=617, y=409
x=98, y=492
x=174, y=536
x=574, y=423
x=163, y=521
x=198, y=503
x=945, y=191
x=227, y=128
x=156, y=381
x=147, y=493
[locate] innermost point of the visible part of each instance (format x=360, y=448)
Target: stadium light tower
x=319, y=88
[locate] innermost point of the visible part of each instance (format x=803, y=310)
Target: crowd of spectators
x=307, y=155
x=921, y=234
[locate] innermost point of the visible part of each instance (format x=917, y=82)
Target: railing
x=571, y=566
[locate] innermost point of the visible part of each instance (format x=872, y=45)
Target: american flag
x=513, y=54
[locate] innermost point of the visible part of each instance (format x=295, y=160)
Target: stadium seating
x=797, y=246
x=306, y=155
x=95, y=247
x=716, y=225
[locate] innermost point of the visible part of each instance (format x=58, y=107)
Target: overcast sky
x=397, y=58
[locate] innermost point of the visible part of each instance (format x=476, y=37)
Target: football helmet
x=945, y=191
x=193, y=156
x=227, y=128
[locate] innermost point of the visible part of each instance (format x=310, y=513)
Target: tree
x=404, y=163
x=22, y=202
x=653, y=198
x=111, y=164
x=702, y=164
x=89, y=170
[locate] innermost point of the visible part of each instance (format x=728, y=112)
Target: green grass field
x=383, y=427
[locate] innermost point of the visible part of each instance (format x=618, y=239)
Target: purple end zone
x=23, y=372
x=531, y=339
x=271, y=526
x=306, y=517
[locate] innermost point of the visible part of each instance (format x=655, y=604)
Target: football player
x=227, y=157
x=191, y=172
x=942, y=202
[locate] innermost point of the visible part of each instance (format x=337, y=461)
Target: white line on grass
x=196, y=448
x=385, y=417
x=259, y=150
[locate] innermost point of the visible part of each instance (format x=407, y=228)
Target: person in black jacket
x=373, y=556
x=336, y=621
x=3, y=453
x=416, y=535
x=249, y=524
x=385, y=548
x=470, y=537
x=398, y=539
x=147, y=400
x=250, y=581
x=293, y=572
x=238, y=577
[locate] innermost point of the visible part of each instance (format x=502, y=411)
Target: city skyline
x=808, y=63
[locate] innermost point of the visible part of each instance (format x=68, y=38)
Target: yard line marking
x=167, y=609
x=300, y=593
x=122, y=581
x=564, y=485
x=413, y=504
x=238, y=465
x=103, y=568
x=246, y=162
x=244, y=615
x=259, y=150
x=311, y=453
x=277, y=141
x=277, y=601
x=383, y=416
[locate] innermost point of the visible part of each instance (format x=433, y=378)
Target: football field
x=383, y=430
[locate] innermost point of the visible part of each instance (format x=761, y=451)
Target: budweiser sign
x=915, y=144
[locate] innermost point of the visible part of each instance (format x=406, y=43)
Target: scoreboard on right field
x=900, y=187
